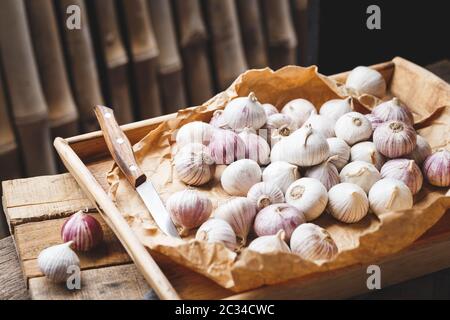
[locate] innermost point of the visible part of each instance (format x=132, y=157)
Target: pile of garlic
x=351, y=164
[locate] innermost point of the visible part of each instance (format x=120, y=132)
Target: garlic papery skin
x=299, y=110
x=374, y=121
x=367, y=152
x=360, y=173
x=256, y=148
x=240, y=176
x=390, y=195
x=325, y=172
x=264, y=194
x=339, y=152
x=393, y=110
x=244, y=112
x=353, y=127
x=437, y=168
x=84, y=230
x=239, y=213
x=336, y=108
x=270, y=244
x=189, y=209
x=321, y=124
x=347, y=202
x=281, y=173
x=313, y=243
x=364, y=80
x=194, y=165
x=194, y=132
x=217, y=120
x=395, y=139
x=305, y=147
x=404, y=170
x=308, y=196
x=421, y=151
x=279, y=126
x=276, y=217
x=55, y=261
x=226, y=147
x=217, y=230
x=269, y=109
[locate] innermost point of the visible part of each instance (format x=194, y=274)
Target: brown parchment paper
x=362, y=242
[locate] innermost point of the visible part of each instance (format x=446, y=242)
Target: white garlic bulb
x=341, y=150
x=240, y=176
x=360, y=173
x=217, y=120
x=336, y=108
x=313, y=243
x=390, y=195
x=404, y=170
x=279, y=126
x=353, y=127
x=347, y=202
x=264, y=194
x=308, y=196
x=393, y=110
x=194, y=132
x=421, y=151
x=299, y=110
x=437, y=168
x=217, y=230
x=281, y=174
x=325, y=172
x=189, y=209
x=367, y=152
x=269, y=109
x=55, y=261
x=244, y=112
x=364, y=80
x=269, y=244
x=321, y=124
x=395, y=139
x=239, y=213
x=194, y=164
x=256, y=148
x=226, y=147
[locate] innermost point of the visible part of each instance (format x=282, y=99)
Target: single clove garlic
x=256, y=148
x=360, y=173
x=84, y=230
x=270, y=244
x=55, y=262
x=367, y=152
x=244, y=112
x=394, y=139
x=325, y=172
x=240, y=176
x=299, y=110
x=217, y=231
x=421, y=151
x=393, y=110
x=336, y=108
x=353, y=127
x=194, y=132
x=364, y=80
x=226, y=147
x=264, y=194
x=347, y=202
x=322, y=125
x=437, y=168
x=341, y=150
x=308, y=196
x=281, y=174
x=404, y=170
x=390, y=195
x=194, y=164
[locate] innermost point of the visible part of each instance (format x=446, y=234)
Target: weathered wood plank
x=12, y=284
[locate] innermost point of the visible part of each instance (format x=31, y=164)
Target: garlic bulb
x=276, y=217
x=404, y=170
x=437, y=168
x=394, y=139
x=390, y=195
x=309, y=196
x=353, y=127
x=341, y=150
x=393, y=110
x=281, y=174
x=364, y=80
x=256, y=148
x=299, y=110
x=321, y=124
x=305, y=147
x=279, y=126
x=325, y=172
x=83, y=229
x=374, y=121
x=217, y=120
x=244, y=112
x=269, y=244
x=55, y=261
x=347, y=202
x=313, y=243
x=360, y=173
x=264, y=194
x=194, y=164
x=421, y=151
x=194, y=132
x=216, y=230
x=367, y=152
x=189, y=209
x=226, y=147
x=269, y=109
x=240, y=176
x=239, y=213
x=336, y=108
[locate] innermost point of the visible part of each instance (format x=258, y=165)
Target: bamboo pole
x=170, y=65
x=300, y=13
x=228, y=54
x=29, y=109
x=193, y=43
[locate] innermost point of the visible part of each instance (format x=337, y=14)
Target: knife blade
x=122, y=153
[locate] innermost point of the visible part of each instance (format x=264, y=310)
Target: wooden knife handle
x=119, y=146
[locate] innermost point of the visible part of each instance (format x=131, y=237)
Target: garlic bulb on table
x=437, y=168
x=256, y=148
x=404, y=170
x=281, y=174
x=364, y=80
x=336, y=108
x=55, y=261
x=374, y=120
x=390, y=195
x=244, y=112
x=325, y=172
x=269, y=244
x=421, y=151
x=194, y=132
x=395, y=139
x=194, y=164
x=216, y=230
x=347, y=202
x=299, y=110
x=321, y=124
x=83, y=230
x=240, y=176
x=308, y=196
x=226, y=147
x=269, y=109
x=341, y=150
x=264, y=194
x=360, y=173
x=353, y=127
x=393, y=110
x=367, y=152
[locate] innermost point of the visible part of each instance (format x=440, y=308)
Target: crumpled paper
x=362, y=242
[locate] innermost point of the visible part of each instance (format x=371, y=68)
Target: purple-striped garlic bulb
x=374, y=120
x=395, y=139
x=226, y=147
x=256, y=147
x=244, y=112
x=393, y=110
x=194, y=165
x=217, y=120
x=404, y=170
x=437, y=168
x=83, y=230
x=421, y=151
x=326, y=173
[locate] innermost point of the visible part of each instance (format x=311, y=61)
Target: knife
x=122, y=153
